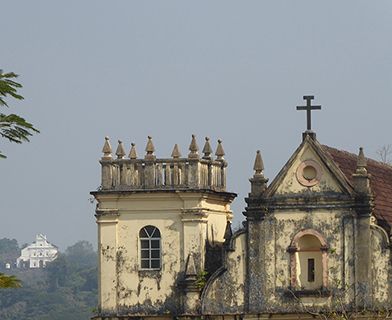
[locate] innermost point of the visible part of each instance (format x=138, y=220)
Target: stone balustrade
x=150, y=173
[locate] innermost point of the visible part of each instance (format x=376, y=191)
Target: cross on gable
x=309, y=109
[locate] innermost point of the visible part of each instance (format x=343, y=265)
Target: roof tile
x=380, y=180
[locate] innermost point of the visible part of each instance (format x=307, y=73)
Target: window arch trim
x=310, y=232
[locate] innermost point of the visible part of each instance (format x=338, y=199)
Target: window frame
x=149, y=237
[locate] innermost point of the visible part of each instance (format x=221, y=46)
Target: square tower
x=158, y=222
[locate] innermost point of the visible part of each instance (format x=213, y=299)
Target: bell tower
x=156, y=220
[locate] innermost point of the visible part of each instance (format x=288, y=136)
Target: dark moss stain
x=213, y=258
x=149, y=307
x=139, y=287
x=108, y=253
x=151, y=274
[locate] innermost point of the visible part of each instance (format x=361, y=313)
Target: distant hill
x=65, y=290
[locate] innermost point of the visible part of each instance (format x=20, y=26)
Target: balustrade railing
x=150, y=173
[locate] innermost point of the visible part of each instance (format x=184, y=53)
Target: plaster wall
x=147, y=287
x=216, y=226
x=226, y=294
x=302, y=272
x=256, y=267
x=107, y=297
x=381, y=262
x=290, y=182
x=286, y=225
x=183, y=220
x=270, y=275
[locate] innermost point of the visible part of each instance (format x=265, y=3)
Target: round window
x=309, y=173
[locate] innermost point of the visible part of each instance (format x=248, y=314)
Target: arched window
x=150, y=248
x=309, y=261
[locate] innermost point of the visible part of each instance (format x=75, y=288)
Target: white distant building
x=37, y=254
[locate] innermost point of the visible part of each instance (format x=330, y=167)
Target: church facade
x=316, y=241
x=37, y=254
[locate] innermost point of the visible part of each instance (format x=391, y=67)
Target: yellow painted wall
x=183, y=220
x=290, y=183
x=226, y=294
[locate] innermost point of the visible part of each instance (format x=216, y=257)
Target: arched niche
x=308, y=261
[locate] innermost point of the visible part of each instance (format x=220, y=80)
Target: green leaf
x=9, y=281
x=13, y=127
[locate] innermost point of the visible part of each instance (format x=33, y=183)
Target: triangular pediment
x=310, y=168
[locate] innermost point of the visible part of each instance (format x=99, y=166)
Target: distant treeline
x=65, y=290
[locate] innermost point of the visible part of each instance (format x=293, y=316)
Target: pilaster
x=364, y=203
x=107, y=221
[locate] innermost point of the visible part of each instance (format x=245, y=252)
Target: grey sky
x=233, y=70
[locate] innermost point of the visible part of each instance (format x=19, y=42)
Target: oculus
x=309, y=173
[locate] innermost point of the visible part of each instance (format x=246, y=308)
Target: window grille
x=150, y=248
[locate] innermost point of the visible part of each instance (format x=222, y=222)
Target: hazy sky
x=233, y=70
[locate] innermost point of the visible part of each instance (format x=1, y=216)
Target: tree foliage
x=12, y=127
x=385, y=154
x=9, y=251
x=81, y=255
x=9, y=281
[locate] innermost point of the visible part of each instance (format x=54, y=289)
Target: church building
x=315, y=243
x=37, y=254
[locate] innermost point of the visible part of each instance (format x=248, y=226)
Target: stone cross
x=309, y=109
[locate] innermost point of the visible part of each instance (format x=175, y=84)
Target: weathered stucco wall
x=185, y=221
x=283, y=228
x=224, y=293
x=276, y=279
x=291, y=185
x=272, y=275
x=266, y=266
x=138, y=290
x=107, y=229
x=314, y=207
x=148, y=289
x=381, y=263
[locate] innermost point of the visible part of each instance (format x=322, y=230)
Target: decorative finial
x=258, y=166
x=176, y=152
x=150, y=149
x=107, y=149
x=361, y=162
x=120, y=152
x=258, y=182
x=207, y=150
x=219, y=151
x=193, y=148
x=361, y=178
x=132, y=153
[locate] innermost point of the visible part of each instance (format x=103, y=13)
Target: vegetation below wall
x=65, y=290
